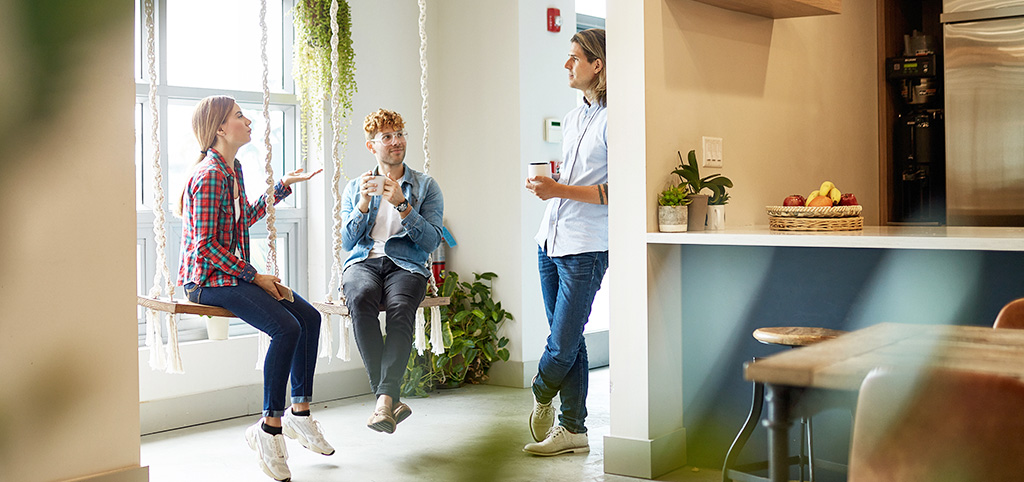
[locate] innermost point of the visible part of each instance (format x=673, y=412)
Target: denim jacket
x=421, y=229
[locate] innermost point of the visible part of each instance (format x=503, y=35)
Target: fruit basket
x=816, y=218
x=814, y=212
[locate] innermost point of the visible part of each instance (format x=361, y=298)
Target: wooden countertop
x=884, y=237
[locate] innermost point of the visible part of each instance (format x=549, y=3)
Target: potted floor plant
x=672, y=209
x=689, y=176
x=471, y=339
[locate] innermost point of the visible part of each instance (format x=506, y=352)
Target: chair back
x=1011, y=316
x=938, y=425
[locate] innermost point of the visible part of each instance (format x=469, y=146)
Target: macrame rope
x=157, y=361
x=264, y=339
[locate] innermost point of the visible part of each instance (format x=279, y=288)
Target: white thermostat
x=553, y=130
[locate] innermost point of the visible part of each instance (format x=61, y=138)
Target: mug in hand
x=376, y=185
x=538, y=169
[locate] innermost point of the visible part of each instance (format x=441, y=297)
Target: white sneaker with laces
x=559, y=441
x=541, y=419
x=273, y=454
x=306, y=431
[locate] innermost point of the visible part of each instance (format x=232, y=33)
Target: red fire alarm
x=554, y=20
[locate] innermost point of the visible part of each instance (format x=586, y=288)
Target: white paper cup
x=538, y=169
x=376, y=185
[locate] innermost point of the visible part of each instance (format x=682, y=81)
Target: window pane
x=258, y=249
x=223, y=54
x=183, y=149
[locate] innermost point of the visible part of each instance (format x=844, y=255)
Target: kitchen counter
x=894, y=237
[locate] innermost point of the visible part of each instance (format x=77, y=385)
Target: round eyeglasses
x=390, y=137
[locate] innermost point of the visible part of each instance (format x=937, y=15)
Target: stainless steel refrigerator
x=984, y=103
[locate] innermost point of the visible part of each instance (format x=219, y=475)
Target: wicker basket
x=784, y=223
x=814, y=211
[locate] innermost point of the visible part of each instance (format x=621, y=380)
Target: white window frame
x=291, y=214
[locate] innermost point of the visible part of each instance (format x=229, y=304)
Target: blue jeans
x=294, y=330
x=568, y=284
x=368, y=285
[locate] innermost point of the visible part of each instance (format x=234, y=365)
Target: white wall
x=67, y=345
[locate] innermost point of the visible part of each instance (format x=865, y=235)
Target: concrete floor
x=473, y=434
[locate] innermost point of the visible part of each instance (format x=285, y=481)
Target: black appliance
x=919, y=145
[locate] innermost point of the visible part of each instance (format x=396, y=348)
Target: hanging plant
x=312, y=66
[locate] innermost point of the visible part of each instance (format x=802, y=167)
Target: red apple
x=848, y=199
x=794, y=200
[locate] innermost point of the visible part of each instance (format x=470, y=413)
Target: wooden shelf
x=780, y=8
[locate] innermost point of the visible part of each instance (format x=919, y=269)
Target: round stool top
x=794, y=335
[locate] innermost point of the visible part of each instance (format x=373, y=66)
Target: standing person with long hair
x=215, y=270
x=572, y=253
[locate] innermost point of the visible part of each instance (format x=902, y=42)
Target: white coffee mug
x=538, y=169
x=376, y=185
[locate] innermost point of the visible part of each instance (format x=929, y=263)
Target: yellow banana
x=835, y=194
x=825, y=188
x=812, y=195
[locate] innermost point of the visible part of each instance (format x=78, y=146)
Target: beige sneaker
x=559, y=441
x=541, y=419
x=273, y=455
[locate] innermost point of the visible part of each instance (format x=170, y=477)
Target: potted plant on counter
x=672, y=209
x=716, y=207
x=689, y=176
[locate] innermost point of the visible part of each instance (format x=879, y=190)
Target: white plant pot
x=217, y=327
x=672, y=219
x=716, y=217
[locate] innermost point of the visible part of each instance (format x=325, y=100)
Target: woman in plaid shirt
x=215, y=270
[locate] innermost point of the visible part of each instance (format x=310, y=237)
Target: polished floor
x=472, y=434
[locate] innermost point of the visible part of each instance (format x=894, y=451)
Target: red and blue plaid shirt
x=210, y=236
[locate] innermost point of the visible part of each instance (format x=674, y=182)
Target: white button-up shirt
x=573, y=227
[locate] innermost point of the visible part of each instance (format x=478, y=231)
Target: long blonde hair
x=207, y=118
x=592, y=42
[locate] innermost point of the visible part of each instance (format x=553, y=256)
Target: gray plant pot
x=672, y=219
x=698, y=212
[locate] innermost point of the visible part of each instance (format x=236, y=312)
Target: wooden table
x=844, y=362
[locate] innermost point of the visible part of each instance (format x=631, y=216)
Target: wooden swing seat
x=336, y=308
x=184, y=307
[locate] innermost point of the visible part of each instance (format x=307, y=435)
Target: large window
x=197, y=57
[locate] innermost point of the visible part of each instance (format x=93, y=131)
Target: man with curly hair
x=389, y=232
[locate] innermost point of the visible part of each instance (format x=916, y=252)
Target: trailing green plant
x=312, y=66
x=689, y=175
x=471, y=338
x=674, y=196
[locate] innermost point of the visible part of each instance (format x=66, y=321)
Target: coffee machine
x=919, y=145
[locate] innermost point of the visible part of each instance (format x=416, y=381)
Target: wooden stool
x=791, y=336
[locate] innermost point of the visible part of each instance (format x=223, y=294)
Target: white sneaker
x=559, y=441
x=541, y=419
x=273, y=455
x=306, y=431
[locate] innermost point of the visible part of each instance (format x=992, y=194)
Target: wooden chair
x=1011, y=316
x=939, y=425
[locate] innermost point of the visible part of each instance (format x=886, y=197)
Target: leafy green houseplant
x=689, y=175
x=312, y=66
x=471, y=338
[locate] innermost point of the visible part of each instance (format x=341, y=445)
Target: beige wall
x=67, y=252
x=795, y=101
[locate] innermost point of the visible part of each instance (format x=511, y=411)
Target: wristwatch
x=402, y=206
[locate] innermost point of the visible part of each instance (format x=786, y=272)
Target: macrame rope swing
x=330, y=307
x=169, y=307
x=160, y=302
